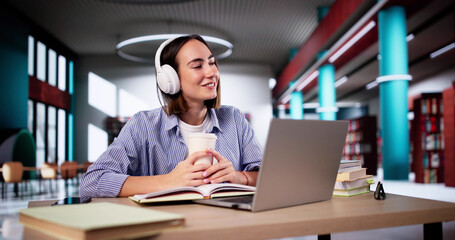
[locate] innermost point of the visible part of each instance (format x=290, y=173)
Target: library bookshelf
x=427, y=139
x=361, y=143
x=448, y=99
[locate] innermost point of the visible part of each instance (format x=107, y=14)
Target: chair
x=12, y=173
x=68, y=170
x=49, y=171
x=86, y=165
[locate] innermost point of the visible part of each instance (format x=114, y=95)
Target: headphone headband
x=158, y=53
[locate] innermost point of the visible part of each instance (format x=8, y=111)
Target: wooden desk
x=341, y=214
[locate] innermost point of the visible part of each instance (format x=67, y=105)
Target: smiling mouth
x=209, y=85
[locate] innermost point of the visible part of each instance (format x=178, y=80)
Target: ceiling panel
x=262, y=31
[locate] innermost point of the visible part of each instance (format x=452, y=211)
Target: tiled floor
x=10, y=226
x=12, y=229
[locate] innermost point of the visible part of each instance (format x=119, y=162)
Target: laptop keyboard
x=242, y=199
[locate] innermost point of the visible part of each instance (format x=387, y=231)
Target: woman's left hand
x=223, y=171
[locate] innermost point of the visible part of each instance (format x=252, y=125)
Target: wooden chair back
x=68, y=170
x=49, y=171
x=86, y=165
x=12, y=172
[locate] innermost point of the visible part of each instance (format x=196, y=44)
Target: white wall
x=436, y=83
x=244, y=86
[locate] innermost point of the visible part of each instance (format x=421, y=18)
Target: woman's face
x=198, y=72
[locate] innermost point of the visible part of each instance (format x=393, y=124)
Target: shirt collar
x=172, y=121
x=215, y=123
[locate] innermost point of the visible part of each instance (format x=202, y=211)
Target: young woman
x=150, y=153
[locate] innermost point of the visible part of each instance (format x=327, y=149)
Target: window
x=52, y=67
x=106, y=100
x=51, y=134
x=62, y=73
x=41, y=62
x=97, y=142
x=40, y=134
x=50, y=121
x=61, y=133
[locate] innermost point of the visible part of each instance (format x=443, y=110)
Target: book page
x=181, y=196
x=92, y=216
x=166, y=192
x=209, y=189
x=205, y=190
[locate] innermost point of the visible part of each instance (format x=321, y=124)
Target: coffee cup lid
x=207, y=135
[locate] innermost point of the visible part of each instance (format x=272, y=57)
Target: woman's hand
x=188, y=174
x=223, y=171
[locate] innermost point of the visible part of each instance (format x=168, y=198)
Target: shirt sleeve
x=105, y=177
x=251, y=150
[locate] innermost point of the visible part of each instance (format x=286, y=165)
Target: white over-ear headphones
x=166, y=77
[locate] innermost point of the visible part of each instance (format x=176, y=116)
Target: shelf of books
x=361, y=143
x=448, y=99
x=427, y=139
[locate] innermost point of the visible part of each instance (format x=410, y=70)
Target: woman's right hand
x=188, y=174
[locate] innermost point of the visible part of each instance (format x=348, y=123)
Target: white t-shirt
x=187, y=129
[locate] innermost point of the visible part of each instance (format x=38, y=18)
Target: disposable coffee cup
x=200, y=142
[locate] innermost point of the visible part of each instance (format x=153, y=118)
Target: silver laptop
x=300, y=165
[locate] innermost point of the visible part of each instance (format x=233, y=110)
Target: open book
x=192, y=193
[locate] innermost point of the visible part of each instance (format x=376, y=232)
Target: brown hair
x=176, y=104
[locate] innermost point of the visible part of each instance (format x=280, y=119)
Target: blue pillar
x=71, y=113
x=393, y=90
x=326, y=91
x=296, y=104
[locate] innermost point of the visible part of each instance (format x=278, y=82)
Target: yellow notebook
x=98, y=221
x=351, y=175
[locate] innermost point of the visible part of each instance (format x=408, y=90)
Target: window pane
x=102, y=94
x=52, y=134
x=61, y=135
x=97, y=142
x=31, y=55
x=62, y=73
x=40, y=121
x=41, y=74
x=30, y=116
x=52, y=67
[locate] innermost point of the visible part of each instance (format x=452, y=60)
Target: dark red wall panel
x=48, y=94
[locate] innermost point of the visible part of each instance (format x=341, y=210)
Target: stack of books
x=352, y=179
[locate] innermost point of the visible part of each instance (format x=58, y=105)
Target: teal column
x=296, y=104
x=13, y=71
x=322, y=12
x=326, y=91
x=71, y=112
x=393, y=90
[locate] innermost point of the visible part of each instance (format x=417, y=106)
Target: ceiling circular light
x=161, y=37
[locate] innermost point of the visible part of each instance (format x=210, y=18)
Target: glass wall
x=47, y=120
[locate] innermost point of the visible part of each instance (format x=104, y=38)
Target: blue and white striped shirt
x=151, y=144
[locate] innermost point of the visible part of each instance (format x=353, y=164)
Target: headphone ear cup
x=168, y=80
